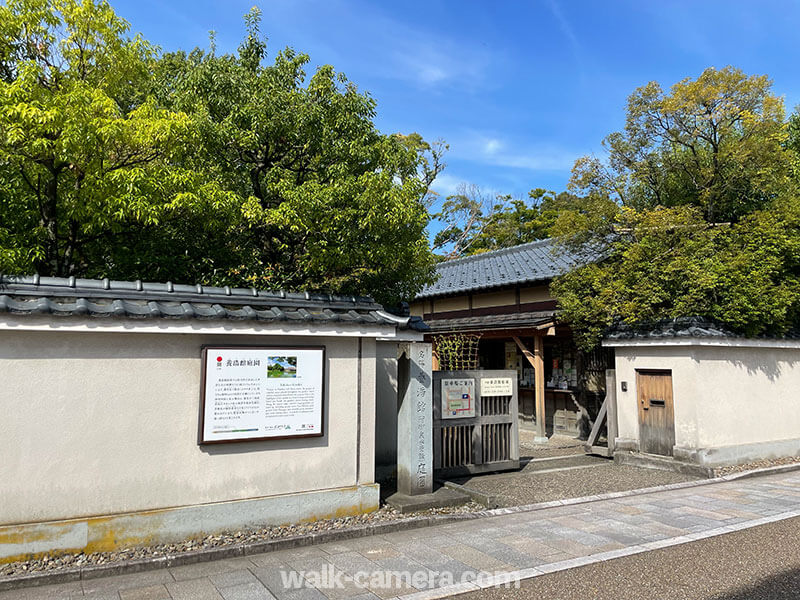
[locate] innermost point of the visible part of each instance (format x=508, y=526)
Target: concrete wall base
x=664, y=463
x=626, y=444
x=114, y=532
x=739, y=454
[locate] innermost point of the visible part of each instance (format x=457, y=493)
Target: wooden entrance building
x=504, y=297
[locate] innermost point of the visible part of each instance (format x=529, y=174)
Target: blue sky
x=518, y=89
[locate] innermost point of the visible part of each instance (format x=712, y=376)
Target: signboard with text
x=497, y=386
x=259, y=393
x=458, y=398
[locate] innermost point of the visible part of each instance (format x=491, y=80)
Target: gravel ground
x=557, y=445
x=761, y=563
x=759, y=464
x=514, y=489
x=384, y=514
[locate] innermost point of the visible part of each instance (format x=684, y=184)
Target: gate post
x=414, y=419
x=611, y=398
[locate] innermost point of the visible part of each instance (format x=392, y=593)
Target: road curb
x=239, y=550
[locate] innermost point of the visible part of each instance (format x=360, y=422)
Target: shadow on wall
x=755, y=360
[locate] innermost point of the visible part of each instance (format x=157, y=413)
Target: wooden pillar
x=536, y=360
x=538, y=367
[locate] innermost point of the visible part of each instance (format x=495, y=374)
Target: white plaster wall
x=366, y=455
x=101, y=423
x=748, y=395
x=684, y=379
x=723, y=395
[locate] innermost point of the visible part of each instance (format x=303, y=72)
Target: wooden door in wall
x=656, y=415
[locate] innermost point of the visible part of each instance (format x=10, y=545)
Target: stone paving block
x=104, y=585
x=312, y=564
x=572, y=548
x=270, y=577
x=59, y=591
x=232, y=578
x=193, y=589
x=246, y=591
x=205, y=569
x=303, y=552
x=474, y=558
x=538, y=550
x=336, y=548
x=150, y=592
x=425, y=555
x=107, y=595
x=506, y=554
x=368, y=543
x=456, y=571
x=353, y=563
x=403, y=564
x=305, y=594
x=376, y=553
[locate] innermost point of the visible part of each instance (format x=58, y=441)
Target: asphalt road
x=753, y=564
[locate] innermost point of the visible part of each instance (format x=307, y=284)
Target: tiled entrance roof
x=528, y=263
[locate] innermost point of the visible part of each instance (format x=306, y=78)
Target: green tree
x=716, y=148
x=115, y=161
x=86, y=159
x=328, y=202
x=716, y=142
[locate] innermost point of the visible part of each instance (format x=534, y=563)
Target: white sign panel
x=256, y=393
x=458, y=398
x=497, y=386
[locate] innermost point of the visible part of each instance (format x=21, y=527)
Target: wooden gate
x=656, y=414
x=475, y=427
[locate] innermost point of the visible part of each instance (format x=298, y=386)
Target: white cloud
x=496, y=151
x=446, y=184
x=432, y=61
x=492, y=146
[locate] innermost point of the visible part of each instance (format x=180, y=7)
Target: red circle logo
x=219, y=359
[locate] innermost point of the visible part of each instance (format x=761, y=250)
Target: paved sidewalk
x=464, y=553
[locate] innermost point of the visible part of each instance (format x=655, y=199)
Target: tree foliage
x=715, y=149
x=476, y=222
x=717, y=142
x=115, y=161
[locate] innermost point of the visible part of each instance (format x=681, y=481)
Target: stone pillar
x=414, y=419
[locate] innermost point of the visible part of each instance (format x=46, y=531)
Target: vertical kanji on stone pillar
x=414, y=419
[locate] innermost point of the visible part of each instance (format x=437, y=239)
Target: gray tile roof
x=526, y=263
x=685, y=327
x=102, y=298
x=509, y=321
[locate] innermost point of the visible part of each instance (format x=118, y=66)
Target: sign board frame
x=468, y=383
x=201, y=440
x=497, y=386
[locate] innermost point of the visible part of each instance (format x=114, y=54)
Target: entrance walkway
x=458, y=555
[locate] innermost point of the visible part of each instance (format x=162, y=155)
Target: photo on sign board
x=282, y=366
